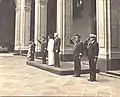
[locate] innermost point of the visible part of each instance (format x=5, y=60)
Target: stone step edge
x=109, y=75
x=57, y=71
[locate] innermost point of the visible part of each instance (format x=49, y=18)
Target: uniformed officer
x=93, y=50
x=77, y=54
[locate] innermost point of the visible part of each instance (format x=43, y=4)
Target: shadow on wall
x=83, y=25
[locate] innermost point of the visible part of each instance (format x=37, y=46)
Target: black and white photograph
x=60, y=48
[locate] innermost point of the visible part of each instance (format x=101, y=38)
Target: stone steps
x=65, y=69
x=114, y=72
x=6, y=55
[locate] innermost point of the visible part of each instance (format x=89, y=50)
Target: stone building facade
x=23, y=20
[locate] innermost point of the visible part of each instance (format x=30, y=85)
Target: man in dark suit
x=56, y=50
x=43, y=49
x=93, y=50
x=77, y=54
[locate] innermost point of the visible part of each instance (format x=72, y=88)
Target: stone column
x=103, y=33
x=25, y=24
x=40, y=21
x=64, y=24
x=17, y=26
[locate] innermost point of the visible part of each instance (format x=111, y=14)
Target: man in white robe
x=50, y=49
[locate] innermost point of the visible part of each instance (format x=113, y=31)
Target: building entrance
x=32, y=20
x=7, y=23
x=51, y=17
x=84, y=17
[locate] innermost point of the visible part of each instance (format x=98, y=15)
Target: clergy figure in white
x=50, y=49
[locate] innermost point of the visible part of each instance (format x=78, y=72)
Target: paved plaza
x=19, y=79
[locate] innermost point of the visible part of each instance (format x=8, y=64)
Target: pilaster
x=25, y=24
x=40, y=21
x=64, y=23
x=17, y=26
x=104, y=33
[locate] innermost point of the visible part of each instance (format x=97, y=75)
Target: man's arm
x=39, y=41
x=71, y=40
x=96, y=51
x=81, y=49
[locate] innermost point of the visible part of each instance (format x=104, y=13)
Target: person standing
x=31, y=51
x=43, y=49
x=50, y=49
x=77, y=54
x=56, y=50
x=93, y=51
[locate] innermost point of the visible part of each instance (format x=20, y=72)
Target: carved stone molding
x=27, y=8
x=28, y=2
x=43, y=1
x=17, y=2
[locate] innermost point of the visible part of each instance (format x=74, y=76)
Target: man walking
x=77, y=54
x=56, y=50
x=93, y=50
x=43, y=49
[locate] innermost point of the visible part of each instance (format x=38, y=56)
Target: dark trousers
x=32, y=57
x=77, y=65
x=57, y=59
x=43, y=57
x=92, y=67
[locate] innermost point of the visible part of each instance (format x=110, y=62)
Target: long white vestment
x=50, y=52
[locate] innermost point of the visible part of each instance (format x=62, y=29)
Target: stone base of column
x=20, y=52
x=113, y=64
x=102, y=64
x=17, y=48
x=16, y=52
x=38, y=54
x=66, y=57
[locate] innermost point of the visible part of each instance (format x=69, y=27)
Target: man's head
x=55, y=34
x=77, y=37
x=93, y=36
x=50, y=36
x=43, y=38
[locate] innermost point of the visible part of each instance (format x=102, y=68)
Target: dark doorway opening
x=7, y=24
x=84, y=18
x=32, y=21
x=77, y=9
x=51, y=17
x=93, y=17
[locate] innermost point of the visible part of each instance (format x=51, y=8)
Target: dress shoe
x=76, y=75
x=57, y=66
x=91, y=80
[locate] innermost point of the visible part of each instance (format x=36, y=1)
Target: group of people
x=53, y=48
x=92, y=48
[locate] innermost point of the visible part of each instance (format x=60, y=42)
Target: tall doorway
x=84, y=18
x=51, y=17
x=32, y=21
x=7, y=23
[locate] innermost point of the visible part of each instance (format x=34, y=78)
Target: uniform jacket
x=93, y=48
x=78, y=47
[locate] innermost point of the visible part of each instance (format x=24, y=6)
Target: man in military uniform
x=77, y=54
x=93, y=50
x=43, y=49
